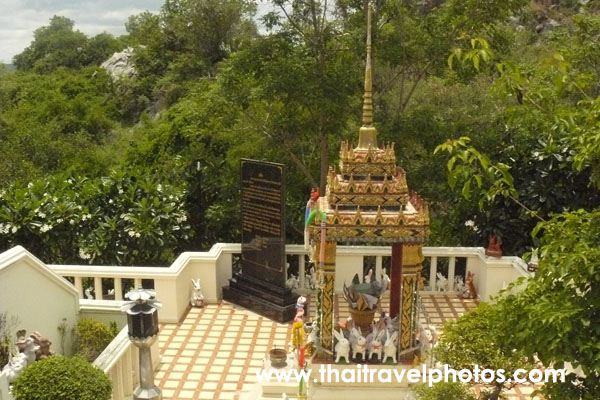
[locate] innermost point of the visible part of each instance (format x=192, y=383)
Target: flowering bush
x=124, y=219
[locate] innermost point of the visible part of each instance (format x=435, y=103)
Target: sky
x=19, y=18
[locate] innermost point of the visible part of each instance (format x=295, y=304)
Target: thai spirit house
x=368, y=202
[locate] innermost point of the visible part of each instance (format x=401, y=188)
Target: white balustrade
x=214, y=268
x=120, y=363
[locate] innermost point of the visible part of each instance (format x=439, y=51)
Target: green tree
x=479, y=338
x=53, y=46
x=54, y=122
x=557, y=316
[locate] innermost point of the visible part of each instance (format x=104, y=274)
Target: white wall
x=38, y=297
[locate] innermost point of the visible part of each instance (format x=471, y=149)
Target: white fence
x=214, y=267
x=120, y=361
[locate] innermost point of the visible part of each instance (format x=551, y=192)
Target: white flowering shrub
x=122, y=219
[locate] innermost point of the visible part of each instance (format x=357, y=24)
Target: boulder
x=120, y=64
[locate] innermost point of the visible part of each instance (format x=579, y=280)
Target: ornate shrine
x=368, y=201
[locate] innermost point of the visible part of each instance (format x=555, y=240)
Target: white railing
x=214, y=268
x=120, y=362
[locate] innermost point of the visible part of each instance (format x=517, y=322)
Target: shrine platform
x=214, y=352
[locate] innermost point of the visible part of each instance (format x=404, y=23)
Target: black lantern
x=142, y=313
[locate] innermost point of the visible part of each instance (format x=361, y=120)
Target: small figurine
x=442, y=282
x=368, y=276
x=311, y=279
x=386, y=278
x=468, y=291
x=88, y=293
x=375, y=344
x=311, y=342
x=342, y=347
x=197, y=298
x=358, y=343
x=292, y=282
x=43, y=345
x=310, y=206
x=532, y=265
x=389, y=349
x=459, y=284
x=428, y=338
x=494, y=248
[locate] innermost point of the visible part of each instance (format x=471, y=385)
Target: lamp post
x=142, y=323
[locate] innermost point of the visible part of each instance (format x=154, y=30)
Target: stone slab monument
x=260, y=286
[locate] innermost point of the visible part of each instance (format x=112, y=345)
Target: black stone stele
x=260, y=286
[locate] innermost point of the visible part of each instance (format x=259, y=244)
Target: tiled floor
x=214, y=351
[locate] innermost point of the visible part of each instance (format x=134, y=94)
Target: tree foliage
x=59, y=377
x=479, y=338
x=122, y=219
x=59, y=45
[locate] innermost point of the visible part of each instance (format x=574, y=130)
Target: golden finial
x=368, y=134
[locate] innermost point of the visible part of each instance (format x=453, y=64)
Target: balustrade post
x=98, y=288
x=79, y=286
x=433, y=273
x=378, y=267
x=451, y=272
x=137, y=283
x=118, y=289
x=301, y=271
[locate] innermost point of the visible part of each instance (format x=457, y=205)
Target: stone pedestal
x=272, y=301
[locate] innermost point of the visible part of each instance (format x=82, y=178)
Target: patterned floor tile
x=214, y=352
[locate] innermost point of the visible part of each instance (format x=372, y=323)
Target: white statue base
x=397, y=389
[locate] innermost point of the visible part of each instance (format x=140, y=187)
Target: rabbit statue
x=342, y=347
x=389, y=349
x=197, y=298
x=442, y=282
x=376, y=345
x=359, y=343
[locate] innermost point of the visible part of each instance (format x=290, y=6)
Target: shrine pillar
x=325, y=259
x=406, y=268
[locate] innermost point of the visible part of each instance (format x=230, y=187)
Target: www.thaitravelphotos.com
x=364, y=374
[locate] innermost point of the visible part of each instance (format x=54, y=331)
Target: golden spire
x=368, y=134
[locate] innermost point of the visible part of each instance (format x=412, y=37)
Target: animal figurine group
x=197, y=298
x=380, y=345
x=16, y=365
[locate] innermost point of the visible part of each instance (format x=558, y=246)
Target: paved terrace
x=214, y=351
